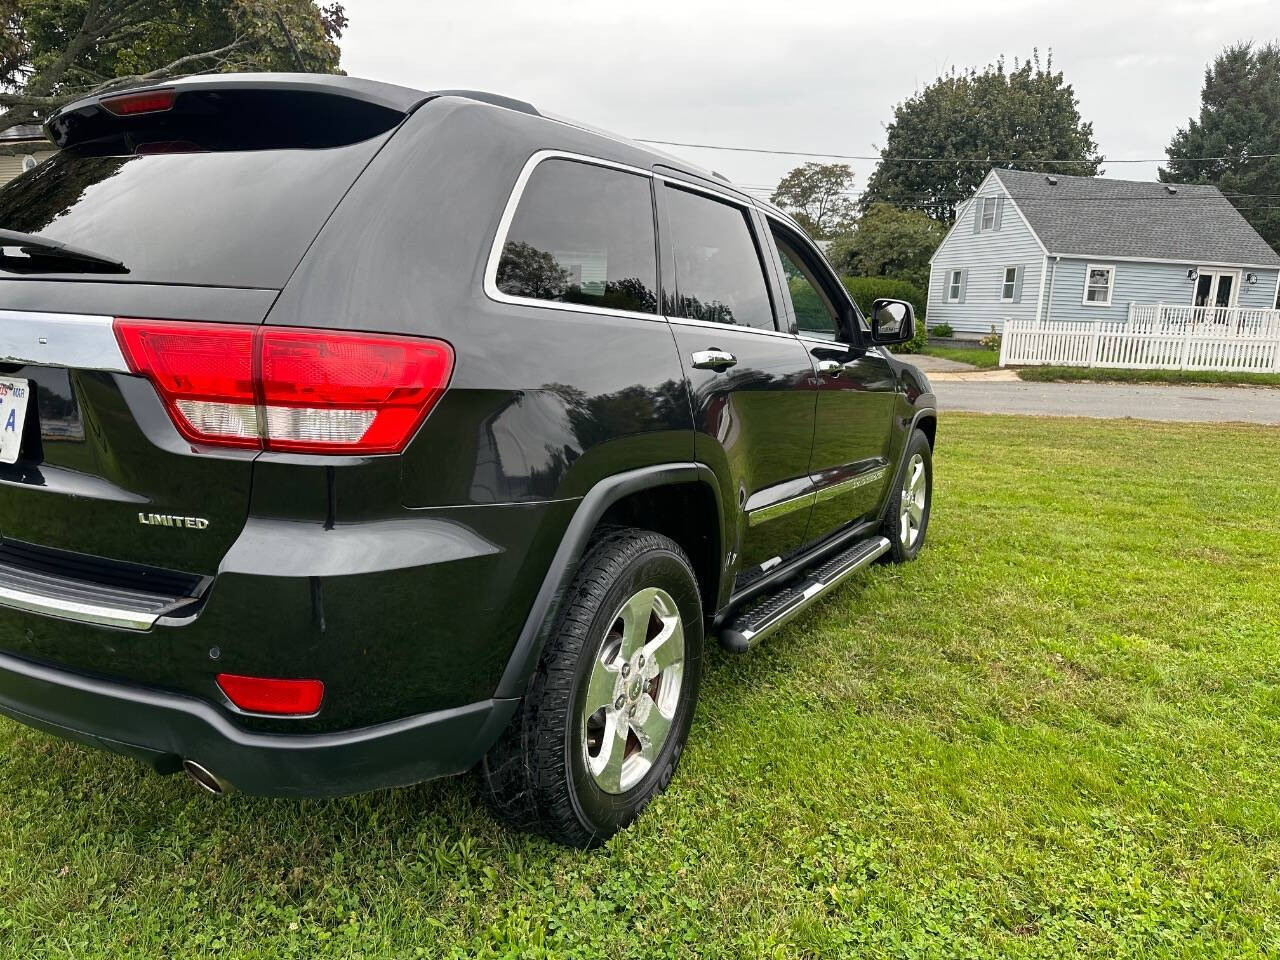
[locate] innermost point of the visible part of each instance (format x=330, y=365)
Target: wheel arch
x=927, y=422
x=635, y=497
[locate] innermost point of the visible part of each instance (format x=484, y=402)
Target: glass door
x=1215, y=290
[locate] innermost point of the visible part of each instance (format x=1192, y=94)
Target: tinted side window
x=718, y=271
x=815, y=316
x=583, y=234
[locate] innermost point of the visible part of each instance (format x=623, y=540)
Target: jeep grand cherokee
x=352, y=435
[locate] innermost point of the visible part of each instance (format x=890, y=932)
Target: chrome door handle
x=713, y=359
x=832, y=367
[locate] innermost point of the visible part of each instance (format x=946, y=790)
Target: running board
x=772, y=611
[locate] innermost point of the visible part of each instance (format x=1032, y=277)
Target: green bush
x=941, y=330
x=866, y=290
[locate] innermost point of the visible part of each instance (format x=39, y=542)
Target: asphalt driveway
x=1207, y=404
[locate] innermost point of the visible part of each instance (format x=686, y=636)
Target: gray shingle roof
x=1096, y=217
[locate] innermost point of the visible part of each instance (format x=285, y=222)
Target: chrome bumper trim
x=77, y=610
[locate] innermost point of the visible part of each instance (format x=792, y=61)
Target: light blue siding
x=985, y=256
x=1137, y=282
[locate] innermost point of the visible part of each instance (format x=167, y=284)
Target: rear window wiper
x=42, y=249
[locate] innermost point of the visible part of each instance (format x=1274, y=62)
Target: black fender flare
x=607, y=492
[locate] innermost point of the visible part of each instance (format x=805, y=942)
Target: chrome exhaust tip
x=205, y=778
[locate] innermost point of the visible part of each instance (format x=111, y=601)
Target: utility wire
x=986, y=160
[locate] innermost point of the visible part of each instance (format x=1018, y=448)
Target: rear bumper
x=163, y=729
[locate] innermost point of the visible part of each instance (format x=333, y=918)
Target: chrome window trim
x=504, y=227
x=743, y=202
x=80, y=341
x=737, y=328
x=75, y=610
x=820, y=341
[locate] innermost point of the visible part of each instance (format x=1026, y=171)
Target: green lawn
x=1057, y=734
x=983, y=359
x=1105, y=375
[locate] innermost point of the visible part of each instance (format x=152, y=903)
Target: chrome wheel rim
x=914, y=491
x=633, y=691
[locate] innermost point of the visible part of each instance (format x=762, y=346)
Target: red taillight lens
x=146, y=101
x=327, y=391
x=313, y=391
x=279, y=697
x=204, y=372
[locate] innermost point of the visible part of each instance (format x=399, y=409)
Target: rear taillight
x=277, y=697
x=289, y=388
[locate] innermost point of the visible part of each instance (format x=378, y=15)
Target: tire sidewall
x=604, y=813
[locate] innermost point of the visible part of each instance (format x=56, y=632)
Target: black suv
x=352, y=435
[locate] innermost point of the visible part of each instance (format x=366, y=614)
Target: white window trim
x=1011, y=284
x=982, y=214
x=1111, y=284
x=955, y=281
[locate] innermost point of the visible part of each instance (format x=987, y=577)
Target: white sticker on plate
x=13, y=414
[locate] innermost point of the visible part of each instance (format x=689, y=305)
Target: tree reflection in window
x=526, y=271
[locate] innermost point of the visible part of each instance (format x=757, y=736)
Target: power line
x=986, y=160
x=765, y=189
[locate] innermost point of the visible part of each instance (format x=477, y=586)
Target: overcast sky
x=820, y=75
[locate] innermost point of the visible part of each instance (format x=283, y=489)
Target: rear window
x=240, y=218
x=582, y=234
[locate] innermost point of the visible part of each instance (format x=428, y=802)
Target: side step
x=767, y=614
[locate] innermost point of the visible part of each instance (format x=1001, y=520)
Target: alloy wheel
x=914, y=491
x=633, y=691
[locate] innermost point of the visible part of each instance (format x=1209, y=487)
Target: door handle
x=831, y=367
x=713, y=358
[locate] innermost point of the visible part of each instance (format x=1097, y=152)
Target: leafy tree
x=1005, y=119
x=889, y=242
x=1239, y=120
x=54, y=51
x=818, y=196
x=12, y=43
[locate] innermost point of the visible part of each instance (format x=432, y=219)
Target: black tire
x=901, y=551
x=536, y=776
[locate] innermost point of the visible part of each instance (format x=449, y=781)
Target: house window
x=954, y=282
x=1098, y=283
x=1009, y=287
x=989, y=205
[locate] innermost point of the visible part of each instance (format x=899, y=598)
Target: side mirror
x=892, y=321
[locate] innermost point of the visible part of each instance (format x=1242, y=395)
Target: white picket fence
x=1154, y=336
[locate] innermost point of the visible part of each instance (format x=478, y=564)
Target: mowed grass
x=1056, y=734
x=1109, y=375
x=976, y=356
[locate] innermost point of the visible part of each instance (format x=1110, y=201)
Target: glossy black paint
x=423, y=583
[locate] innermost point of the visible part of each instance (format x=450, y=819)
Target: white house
x=29, y=148
x=1037, y=247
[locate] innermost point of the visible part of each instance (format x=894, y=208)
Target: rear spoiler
x=245, y=111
